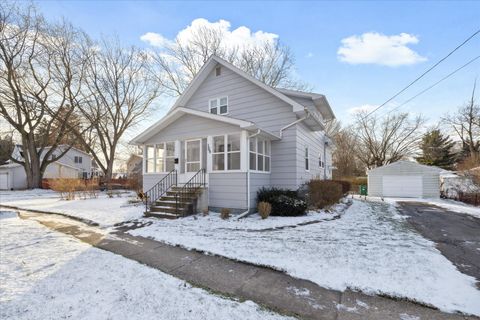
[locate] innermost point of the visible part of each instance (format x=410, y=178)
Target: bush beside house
x=316, y=194
x=284, y=202
x=323, y=193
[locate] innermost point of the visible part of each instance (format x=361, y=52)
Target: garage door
x=403, y=186
x=3, y=180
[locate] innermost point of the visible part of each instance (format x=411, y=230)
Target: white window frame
x=307, y=159
x=226, y=152
x=165, y=157
x=218, y=105
x=266, y=143
x=77, y=159
x=147, y=159
x=321, y=163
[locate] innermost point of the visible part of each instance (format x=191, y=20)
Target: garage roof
x=405, y=163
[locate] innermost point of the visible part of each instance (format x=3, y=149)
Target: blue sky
x=314, y=31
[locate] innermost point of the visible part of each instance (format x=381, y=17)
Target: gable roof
x=408, y=163
x=210, y=65
x=180, y=111
x=319, y=100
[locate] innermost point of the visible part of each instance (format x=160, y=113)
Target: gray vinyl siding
x=191, y=127
x=257, y=181
x=315, y=142
x=227, y=190
x=430, y=177
x=246, y=101
x=150, y=179
x=283, y=161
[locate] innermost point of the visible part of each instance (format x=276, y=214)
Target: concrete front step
x=163, y=215
x=172, y=210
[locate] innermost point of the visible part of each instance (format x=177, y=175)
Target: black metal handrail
x=183, y=195
x=160, y=188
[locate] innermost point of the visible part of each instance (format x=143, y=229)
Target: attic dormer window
x=219, y=105
x=218, y=71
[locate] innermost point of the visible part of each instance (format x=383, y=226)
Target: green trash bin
x=363, y=190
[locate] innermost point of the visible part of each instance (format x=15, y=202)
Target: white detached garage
x=404, y=179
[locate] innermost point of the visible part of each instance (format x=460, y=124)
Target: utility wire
x=423, y=74
x=433, y=85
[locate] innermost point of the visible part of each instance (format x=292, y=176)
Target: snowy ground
x=371, y=248
x=103, y=210
x=48, y=275
x=448, y=204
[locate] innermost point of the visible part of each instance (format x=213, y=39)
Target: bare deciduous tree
x=42, y=72
x=177, y=63
x=385, y=140
x=120, y=92
x=466, y=124
x=345, y=158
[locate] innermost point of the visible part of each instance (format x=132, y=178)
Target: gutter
x=295, y=122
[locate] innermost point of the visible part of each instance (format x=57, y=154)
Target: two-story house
x=232, y=134
x=73, y=164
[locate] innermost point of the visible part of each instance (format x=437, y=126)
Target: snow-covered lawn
x=103, y=210
x=48, y=275
x=448, y=204
x=370, y=248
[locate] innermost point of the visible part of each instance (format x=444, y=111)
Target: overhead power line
x=424, y=73
x=435, y=84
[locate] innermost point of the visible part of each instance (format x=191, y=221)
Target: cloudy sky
x=356, y=53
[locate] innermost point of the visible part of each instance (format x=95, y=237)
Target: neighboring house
x=134, y=165
x=74, y=164
x=452, y=184
x=404, y=179
x=245, y=134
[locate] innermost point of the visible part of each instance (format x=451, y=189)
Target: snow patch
x=371, y=248
x=49, y=275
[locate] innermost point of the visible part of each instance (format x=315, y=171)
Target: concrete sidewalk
x=272, y=289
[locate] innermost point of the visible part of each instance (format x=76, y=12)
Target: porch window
x=150, y=159
x=226, y=158
x=160, y=158
x=259, y=154
x=219, y=105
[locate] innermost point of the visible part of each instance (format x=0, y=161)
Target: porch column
x=209, y=153
x=244, y=152
x=177, y=151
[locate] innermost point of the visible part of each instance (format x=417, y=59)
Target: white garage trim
x=4, y=181
x=403, y=186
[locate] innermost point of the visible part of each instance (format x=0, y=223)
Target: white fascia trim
x=177, y=113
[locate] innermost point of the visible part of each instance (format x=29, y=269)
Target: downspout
x=244, y=214
x=325, y=144
x=295, y=122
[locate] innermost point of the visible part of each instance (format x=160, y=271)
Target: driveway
x=457, y=235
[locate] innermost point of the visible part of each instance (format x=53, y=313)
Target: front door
x=193, y=158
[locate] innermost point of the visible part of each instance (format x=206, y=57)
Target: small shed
x=404, y=179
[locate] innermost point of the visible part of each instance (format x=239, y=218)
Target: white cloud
x=241, y=36
x=376, y=48
x=362, y=108
x=309, y=55
x=154, y=39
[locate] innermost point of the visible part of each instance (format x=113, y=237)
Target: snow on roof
x=408, y=162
